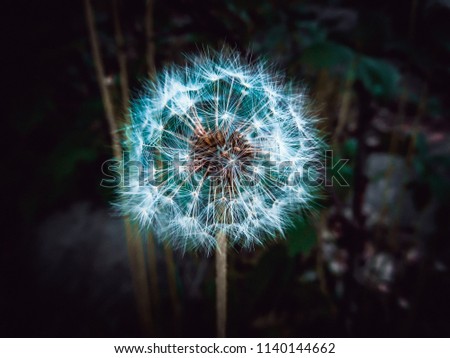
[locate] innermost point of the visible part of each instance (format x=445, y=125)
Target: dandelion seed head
x=226, y=142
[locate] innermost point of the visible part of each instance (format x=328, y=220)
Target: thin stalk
x=346, y=101
x=320, y=260
x=171, y=278
x=424, y=269
x=124, y=86
x=393, y=230
x=393, y=149
x=221, y=284
x=150, y=39
x=139, y=277
x=100, y=72
x=137, y=265
x=121, y=56
x=152, y=268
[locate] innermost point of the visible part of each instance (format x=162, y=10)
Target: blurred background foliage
x=373, y=258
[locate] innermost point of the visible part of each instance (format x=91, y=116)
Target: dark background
x=372, y=261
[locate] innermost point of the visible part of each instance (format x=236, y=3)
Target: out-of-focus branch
x=137, y=260
x=346, y=102
x=100, y=71
x=171, y=278
x=150, y=39
x=121, y=56
x=152, y=268
x=139, y=276
x=360, y=181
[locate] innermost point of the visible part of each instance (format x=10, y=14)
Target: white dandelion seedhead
x=222, y=145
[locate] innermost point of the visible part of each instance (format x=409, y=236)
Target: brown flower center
x=223, y=157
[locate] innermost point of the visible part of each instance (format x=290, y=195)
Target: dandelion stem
x=221, y=284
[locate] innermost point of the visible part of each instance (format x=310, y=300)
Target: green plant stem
x=150, y=39
x=171, y=278
x=121, y=56
x=137, y=262
x=221, y=284
x=151, y=68
x=139, y=277
x=152, y=268
x=100, y=72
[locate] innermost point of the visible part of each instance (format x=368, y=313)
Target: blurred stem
x=322, y=89
x=121, y=56
x=100, y=72
x=393, y=148
x=139, y=277
x=426, y=262
x=346, y=100
x=399, y=121
x=415, y=126
x=152, y=268
x=137, y=263
x=150, y=39
x=394, y=228
x=365, y=116
x=171, y=278
x=321, y=226
x=221, y=284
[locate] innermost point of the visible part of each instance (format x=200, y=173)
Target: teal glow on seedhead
x=223, y=146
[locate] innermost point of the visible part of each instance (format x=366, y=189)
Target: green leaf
x=327, y=54
x=301, y=238
x=350, y=148
x=379, y=77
